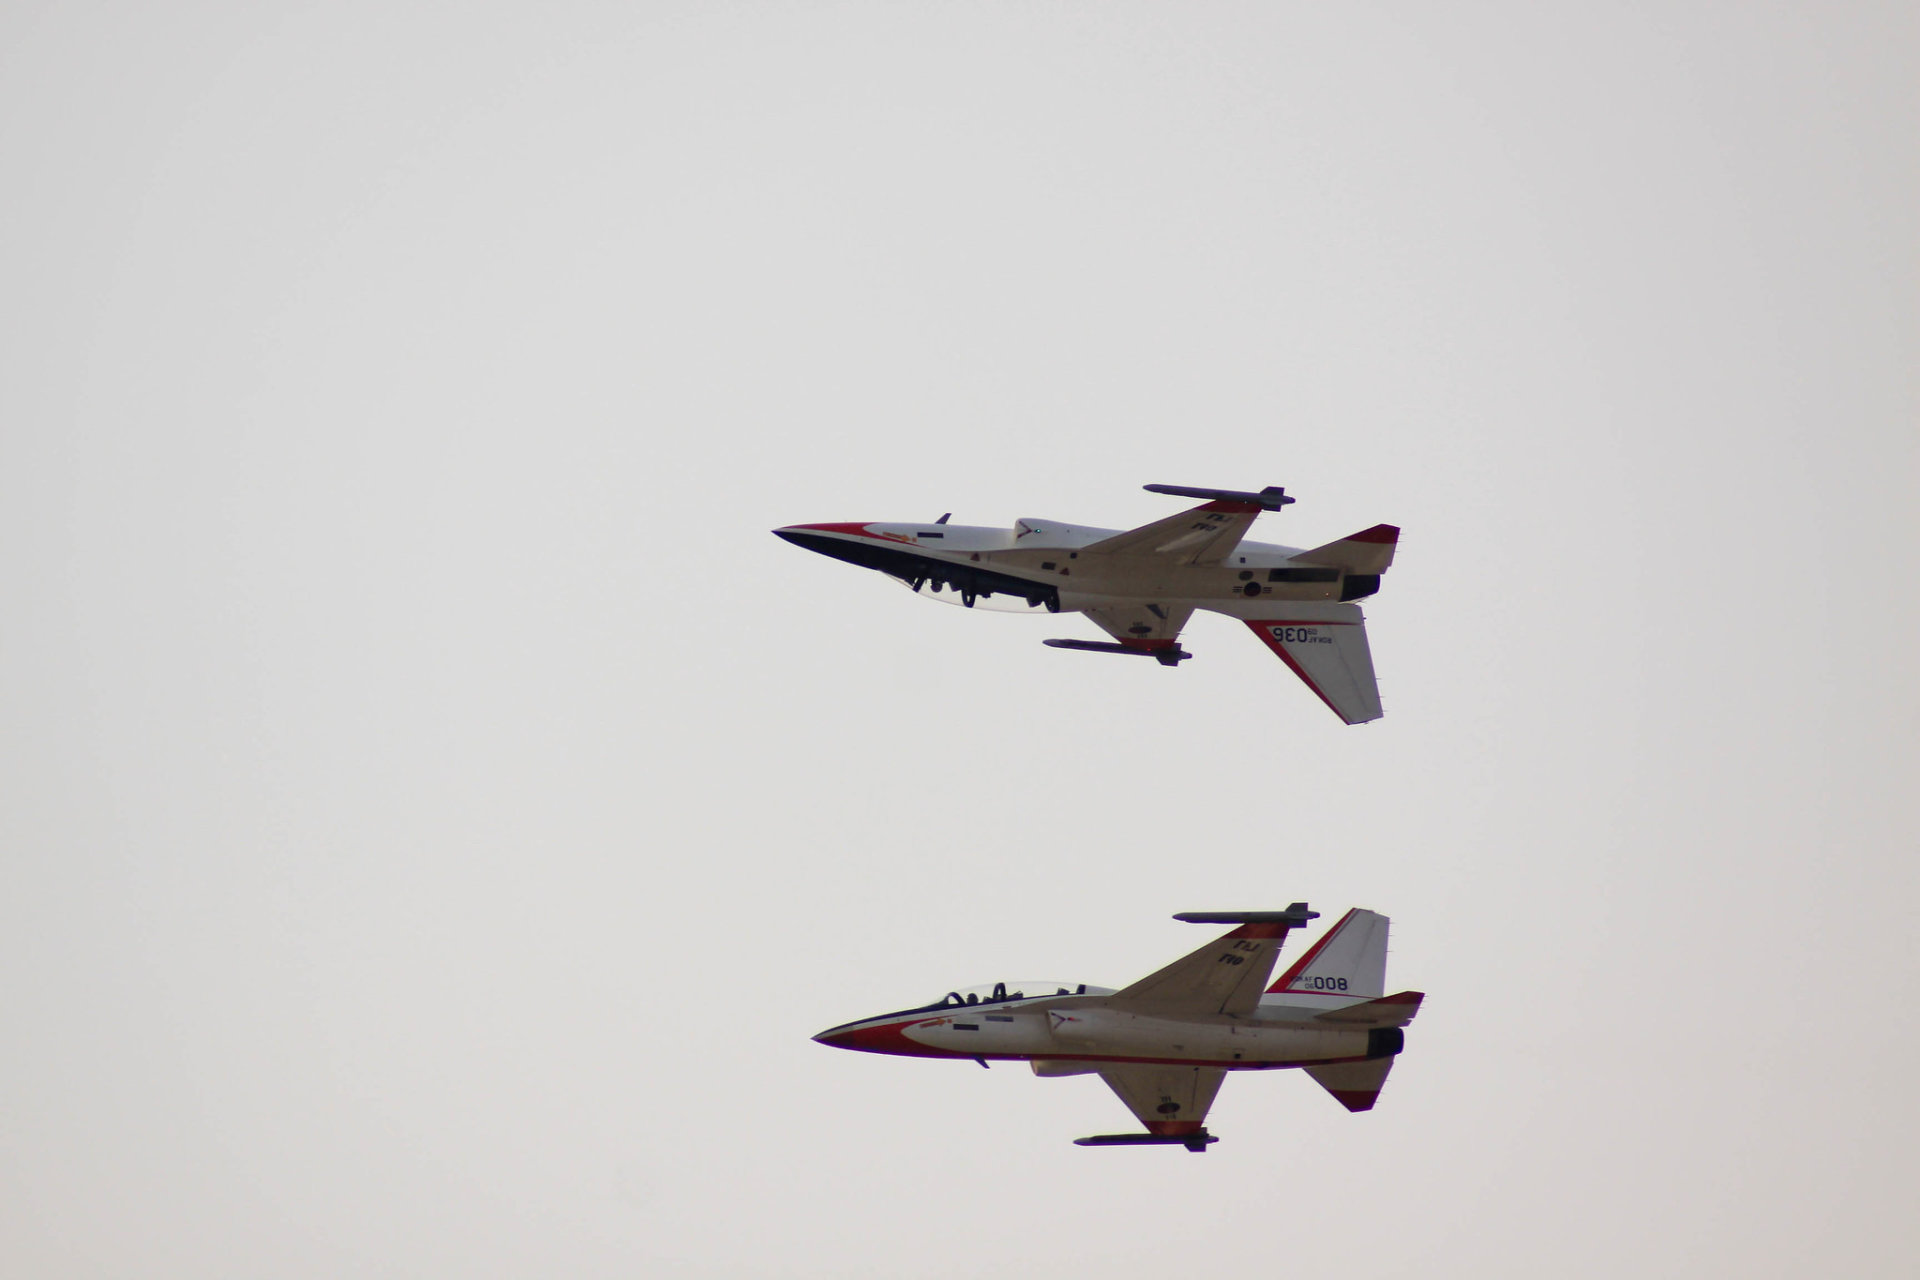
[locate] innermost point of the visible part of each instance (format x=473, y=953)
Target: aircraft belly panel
x=1132, y=578
x=1229, y=1040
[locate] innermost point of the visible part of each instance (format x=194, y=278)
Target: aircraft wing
x=1228, y=975
x=1136, y=623
x=1202, y=535
x=1167, y=1099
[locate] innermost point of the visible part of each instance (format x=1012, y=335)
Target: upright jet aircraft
x=1165, y=1043
x=1143, y=584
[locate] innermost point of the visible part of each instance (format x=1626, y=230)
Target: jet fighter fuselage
x=1165, y=1043
x=1142, y=585
x=1039, y=561
x=1082, y=1031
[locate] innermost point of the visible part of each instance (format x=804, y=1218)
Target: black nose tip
x=854, y=550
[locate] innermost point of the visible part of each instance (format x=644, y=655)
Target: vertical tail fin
x=1350, y=960
x=1326, y=646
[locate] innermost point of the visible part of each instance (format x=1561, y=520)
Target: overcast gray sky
x=437, y=814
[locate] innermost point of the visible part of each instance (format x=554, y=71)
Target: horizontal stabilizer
x=1368, y=551
x=1388, y=1011
x=1354, y=1085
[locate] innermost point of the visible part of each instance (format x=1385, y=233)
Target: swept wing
x=1168, y=1100
x=1228, y=975
x=1141, y=623
x=1201, y=535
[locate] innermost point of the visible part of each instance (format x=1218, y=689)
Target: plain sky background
x=437, y=814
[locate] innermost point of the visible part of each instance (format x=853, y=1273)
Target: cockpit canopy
x=1033, y=988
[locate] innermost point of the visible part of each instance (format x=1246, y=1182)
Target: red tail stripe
x=1312, y=954
x=1259, y=629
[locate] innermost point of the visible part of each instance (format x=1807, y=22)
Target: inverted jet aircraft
x=1165, y=1043
x=1143, y=584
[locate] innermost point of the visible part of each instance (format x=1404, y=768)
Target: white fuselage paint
x=1045, y=552
x=1089, y=1029
x=1142, y=586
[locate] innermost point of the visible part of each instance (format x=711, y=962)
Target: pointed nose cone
x=812, y=537
x=885, y=1038
x=848, y=541
x=845, y=1036
x=808, y=535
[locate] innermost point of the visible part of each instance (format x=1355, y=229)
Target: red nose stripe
x=885, y=1038
x=858, y=529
